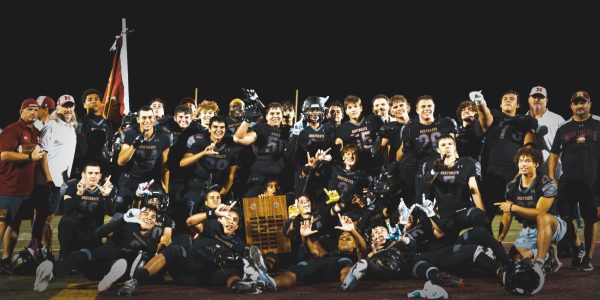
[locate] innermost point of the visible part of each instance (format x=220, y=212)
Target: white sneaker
x=117, y=271
x=43, y=276
x=358, y=270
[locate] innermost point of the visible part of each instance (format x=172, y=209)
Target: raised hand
x=107, y=187
x=223, y=210
x=477, y=97
x=346, y=224
x=394, y=232
x=210, y=150
x=250, y=94
x=404, y=211
x=143, y=188
x=138, y=141
x=439, y=164
x=428, y=207
x=306, y=228
x=322, y=155
x=332, y=196
x=311, y=162
x=293, y=211
x=80, y=187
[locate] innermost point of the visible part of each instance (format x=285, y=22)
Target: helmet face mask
x=313, y=110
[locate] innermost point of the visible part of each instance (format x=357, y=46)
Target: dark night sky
x=436, y=49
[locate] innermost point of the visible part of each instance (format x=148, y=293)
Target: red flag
x=116, y=95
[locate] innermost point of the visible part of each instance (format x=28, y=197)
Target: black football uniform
x=125, y=242
x=145, y=164
x=269, y=162
x=92, y=133
x=210, y=167
x=82, y=216
x=453, y=195
x=210, y=260
x=362, y=136
x=528, y=197
x=501, y=141
x=422, y=140
x=468, y=143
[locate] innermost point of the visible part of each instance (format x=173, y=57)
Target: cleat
x=359, y=269
x=129, y=288
x=585, y=265
x=446, y=279
x=552, y=264
x=577, y=256
x=248, y=287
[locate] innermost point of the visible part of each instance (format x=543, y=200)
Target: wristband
x=510, y=207
x=29, y=158
x=210, y=214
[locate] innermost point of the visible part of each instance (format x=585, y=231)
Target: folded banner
x=116, y=95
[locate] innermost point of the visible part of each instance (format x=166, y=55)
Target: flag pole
x=124, y=67
x=196, y=97
x=296, y=110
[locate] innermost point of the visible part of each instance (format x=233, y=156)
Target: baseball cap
x=29, y=102
x=538, y=90
x=65, y=98
x=581, y=94
x=46, y=102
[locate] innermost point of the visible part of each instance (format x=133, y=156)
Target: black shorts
x=10, y=206
x=316, y=270
x=572, y=192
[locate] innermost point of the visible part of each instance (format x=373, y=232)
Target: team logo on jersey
x=581, y=139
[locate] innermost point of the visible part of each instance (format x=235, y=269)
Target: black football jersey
x=528, y=197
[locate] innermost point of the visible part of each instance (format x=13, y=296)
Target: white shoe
x=43, y=276
x=358, y=270
x=117, y=271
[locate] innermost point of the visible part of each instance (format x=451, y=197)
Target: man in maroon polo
x=19, y=152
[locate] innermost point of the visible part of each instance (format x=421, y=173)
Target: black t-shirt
x=362, y=136
x=268, y=148
x=467, y=142
x=216, y=247
x=89, y=207
x=218, y=164
x=451, y=185
x=579, y=143
x=543, y=186
x=502, y=140
x=422, y=139
x=147, y=159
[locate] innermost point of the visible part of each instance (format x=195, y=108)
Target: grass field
x=17, y=287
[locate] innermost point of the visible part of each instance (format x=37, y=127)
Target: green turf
x=18, y=287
